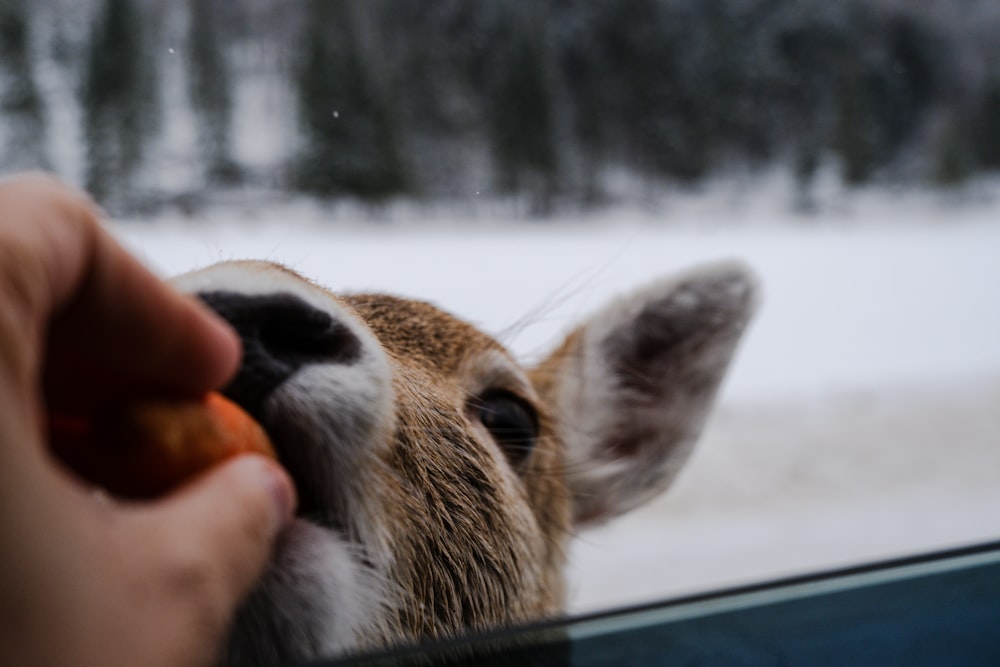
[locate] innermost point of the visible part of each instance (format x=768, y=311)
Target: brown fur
x=420, y=524
x=481, y=546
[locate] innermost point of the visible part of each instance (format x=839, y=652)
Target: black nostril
x=281, y=333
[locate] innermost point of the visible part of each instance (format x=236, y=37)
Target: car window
x=936, y=609
x=520, y=162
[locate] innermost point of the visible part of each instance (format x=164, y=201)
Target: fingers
x=83, y=316
x=217, y=534
x=186, y=562
x=158, y=583
x=115, y=327
x=32, y=263
x=128, y=326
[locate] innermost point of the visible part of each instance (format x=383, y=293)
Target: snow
x=796, y=486
x=859, y=420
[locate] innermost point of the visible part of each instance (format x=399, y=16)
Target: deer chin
x=317, y=597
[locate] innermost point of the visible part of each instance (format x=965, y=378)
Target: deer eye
x=511, y=421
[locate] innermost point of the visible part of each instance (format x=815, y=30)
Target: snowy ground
x=860, y=420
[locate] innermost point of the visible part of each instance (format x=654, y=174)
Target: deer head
x=440, y=481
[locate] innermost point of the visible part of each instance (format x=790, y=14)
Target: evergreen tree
x=917, y=65
x=119, y=98
x=549, y=93
x=987, y=127
x=853, y=140
x=351, y=144
x=953, y=165
x=656, y=86
x=811, y=49
x=210, y=87
x=519, y=111
x=21, y=106
x=582, y=71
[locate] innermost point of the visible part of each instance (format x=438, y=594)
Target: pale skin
x=86, y=580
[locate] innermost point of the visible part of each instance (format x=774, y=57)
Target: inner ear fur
x=630, y=388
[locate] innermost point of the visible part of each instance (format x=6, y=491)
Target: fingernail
x=279, y=484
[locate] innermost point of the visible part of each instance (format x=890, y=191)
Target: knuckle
x=193, y=574
x=195, y=582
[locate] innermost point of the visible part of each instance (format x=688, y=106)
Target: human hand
x=85, y=579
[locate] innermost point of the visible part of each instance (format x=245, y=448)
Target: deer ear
x=629, y=389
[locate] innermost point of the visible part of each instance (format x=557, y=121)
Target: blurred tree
x=916, y=65
x=810, y=48
x=953, y=164
x=433, y=59
x=210, y=88
x=654, y=63
x=547, y=97
x=853, y=140
x=583, y=71
x=986, y=122
x=21, y=106
x=730, y=80
x=119, y=102
x=519, y=108
x=351, y=142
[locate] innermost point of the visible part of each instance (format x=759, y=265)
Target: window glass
x=519, y=163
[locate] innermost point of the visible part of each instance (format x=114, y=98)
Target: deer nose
x=281, y=333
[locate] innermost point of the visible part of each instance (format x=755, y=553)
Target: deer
x=439, y=481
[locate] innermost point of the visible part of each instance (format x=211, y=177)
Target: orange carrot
x=147, y=448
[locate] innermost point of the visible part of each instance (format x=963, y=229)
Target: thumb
x=224, y=525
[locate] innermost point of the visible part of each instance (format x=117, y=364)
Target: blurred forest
x=152, y=103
